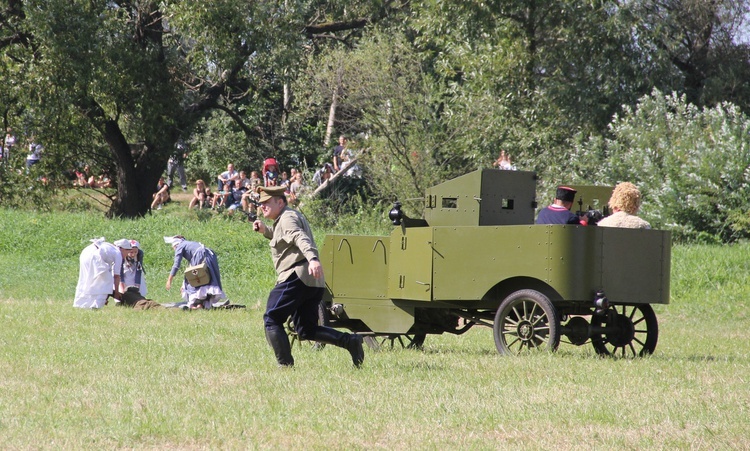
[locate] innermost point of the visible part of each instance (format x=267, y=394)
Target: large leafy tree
x=530, y=75
x=700, y=43
x=138, y=74
x=437, y=87
x=393, y=102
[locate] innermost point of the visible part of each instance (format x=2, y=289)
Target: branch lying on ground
x=325, y=184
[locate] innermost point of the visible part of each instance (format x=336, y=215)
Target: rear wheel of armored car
x=526, y=320
x=631, y=331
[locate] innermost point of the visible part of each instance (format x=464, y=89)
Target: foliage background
x=692, y=164
x=426, y=90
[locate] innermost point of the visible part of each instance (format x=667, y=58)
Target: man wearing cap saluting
x=559, y=212
x=300, y=282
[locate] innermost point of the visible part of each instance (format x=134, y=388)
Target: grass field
x=124, y=379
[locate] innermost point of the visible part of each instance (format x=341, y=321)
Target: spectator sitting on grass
x=224, y=177
x=201, y=195
x=244, y=181
x=161, y=196
x=284, y=180
x=323, y=174
x=270, y=172
x=255, y=181
x=295, y=189
x=101, y=181
x=82, y=177
x=221, y=198
x=234, y=200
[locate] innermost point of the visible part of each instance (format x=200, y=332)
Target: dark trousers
x=294, y=298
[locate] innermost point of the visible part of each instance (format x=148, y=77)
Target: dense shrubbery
x=692, y=165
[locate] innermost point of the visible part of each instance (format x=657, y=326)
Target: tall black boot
x=350, y=342
x=279, y=341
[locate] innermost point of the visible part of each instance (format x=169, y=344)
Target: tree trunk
x=334, y=105
x=138, y=167
x=138, y=170
x=135, y=188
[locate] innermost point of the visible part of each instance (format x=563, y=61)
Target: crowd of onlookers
x=85, y=179
x=234, y=189
x=80, y=177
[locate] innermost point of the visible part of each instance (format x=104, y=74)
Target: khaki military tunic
x=292, y=247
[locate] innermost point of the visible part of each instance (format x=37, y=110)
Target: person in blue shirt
x=205, y=296
x=234, y=200
x=559, y=211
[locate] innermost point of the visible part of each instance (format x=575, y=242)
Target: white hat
x=135, y=244
x=123, y=244
x=173, y=239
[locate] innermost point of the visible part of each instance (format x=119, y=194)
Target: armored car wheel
x=323, y=320
x=526, y=320
x=626, y=331
x=406, y=341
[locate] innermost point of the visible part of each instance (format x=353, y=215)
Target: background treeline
x=581, y=91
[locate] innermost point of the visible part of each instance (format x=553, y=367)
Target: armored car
x=474, y=257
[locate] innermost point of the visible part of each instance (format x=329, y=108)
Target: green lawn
x=118, y=378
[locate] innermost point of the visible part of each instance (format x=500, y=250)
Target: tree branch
x=236, y=117
x=332, y=27
x=335, y=176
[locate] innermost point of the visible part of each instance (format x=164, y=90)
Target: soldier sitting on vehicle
x=559, y=212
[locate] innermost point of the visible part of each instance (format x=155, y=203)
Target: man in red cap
x=559, y=212
x=300, y=282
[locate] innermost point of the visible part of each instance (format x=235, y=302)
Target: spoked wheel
x=526, y=320
x=377, y=342
x=628, y=331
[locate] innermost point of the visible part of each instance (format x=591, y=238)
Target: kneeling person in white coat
x=99, y=275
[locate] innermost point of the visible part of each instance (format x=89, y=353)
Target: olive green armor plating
x=476, y=248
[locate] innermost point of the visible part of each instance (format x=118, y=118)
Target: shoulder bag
x=198, y=275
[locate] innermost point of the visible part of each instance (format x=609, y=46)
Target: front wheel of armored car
x=629, y=331
x=526, y=320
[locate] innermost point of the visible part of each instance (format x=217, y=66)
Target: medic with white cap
x=99, y=273
x=133, y=273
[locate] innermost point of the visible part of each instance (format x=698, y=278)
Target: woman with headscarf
x=133, y=280
x=133, y=274
x=205, y=296
x=99, y=274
